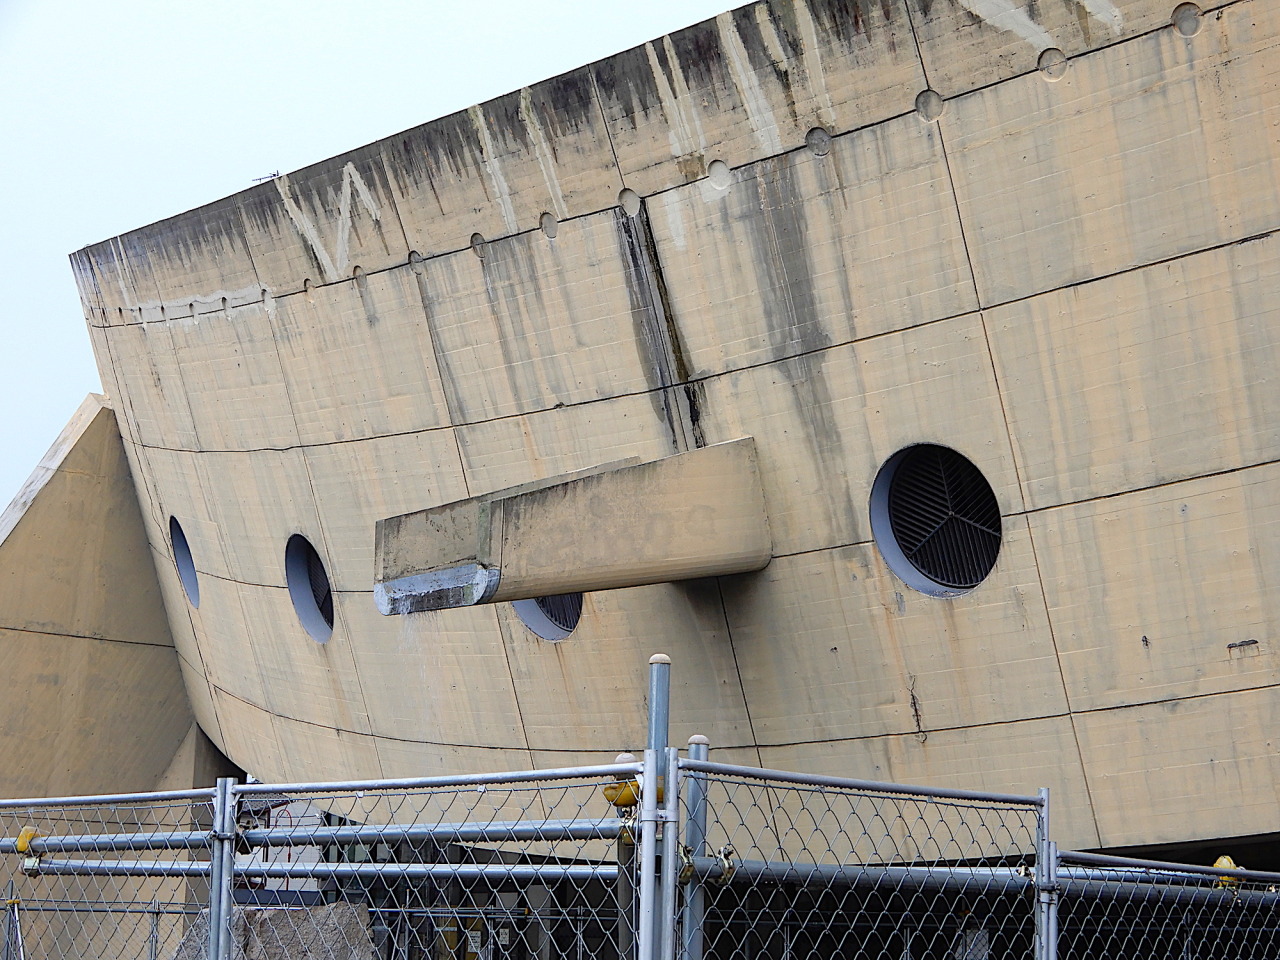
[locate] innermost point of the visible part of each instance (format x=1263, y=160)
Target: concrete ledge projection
x=696, y=514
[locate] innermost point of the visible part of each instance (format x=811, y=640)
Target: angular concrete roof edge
x=89, y=408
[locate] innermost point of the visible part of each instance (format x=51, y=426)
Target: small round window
x=183, y=560
x=309, y=587
x=551, y=618
x=936, y=520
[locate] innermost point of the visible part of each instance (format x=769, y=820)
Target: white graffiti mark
x=674, y=205
x=1003, y=15
x=334, y=266
x=1104, y=11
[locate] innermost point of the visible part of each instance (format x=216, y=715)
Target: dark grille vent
x=564, y=610
x=944, y=516
x=320, y=588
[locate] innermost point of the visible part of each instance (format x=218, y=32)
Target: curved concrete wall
x=1067, y=274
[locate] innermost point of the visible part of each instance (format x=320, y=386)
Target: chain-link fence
x=519, y=866
x=780, y=865
x=1114, y=907
x=666, y=858
x=104, y=876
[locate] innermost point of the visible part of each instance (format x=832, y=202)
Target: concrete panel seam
x=742, y=687
x=913, y=733
x=1187, y=699
x=358, y=733
x=1154, y=486
x=221, y=578
x=63, y=635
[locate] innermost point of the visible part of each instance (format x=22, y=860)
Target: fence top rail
x=1164, y=866
x=870, y=786
x=110, y=799
x=616, y=770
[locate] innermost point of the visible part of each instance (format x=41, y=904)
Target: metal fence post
x=654, y=764
x=645, y=928
x=659, y=701
x=1046, y=877
x=695, y=840
x=153, y=935
x=669, y=881
x=624, y=886
x=221, y=867
x=10, y=909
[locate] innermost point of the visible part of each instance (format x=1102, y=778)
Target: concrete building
x=1024, y=248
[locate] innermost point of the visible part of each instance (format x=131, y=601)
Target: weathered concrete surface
x=1061, y=266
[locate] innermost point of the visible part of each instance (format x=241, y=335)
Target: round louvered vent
x=935, y=520
x=309, y=587
x=551, y=618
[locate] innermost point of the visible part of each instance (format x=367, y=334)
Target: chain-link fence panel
x=525, y=866
x=781, y=866
x=1114, y=907
x=119, y=878
x=598, y=863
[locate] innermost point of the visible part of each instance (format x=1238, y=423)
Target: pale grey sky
x=115, y=115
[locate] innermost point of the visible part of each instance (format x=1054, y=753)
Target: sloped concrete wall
x=94, y=700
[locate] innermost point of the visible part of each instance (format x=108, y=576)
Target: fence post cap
x=659, y=658
x=699, y=738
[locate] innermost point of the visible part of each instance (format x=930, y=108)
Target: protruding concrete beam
x=696, y=514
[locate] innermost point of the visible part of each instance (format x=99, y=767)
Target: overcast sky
x=118, y=114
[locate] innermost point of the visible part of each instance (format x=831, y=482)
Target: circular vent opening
x=309, y=587
x=183, y=560
x=936, y=520
x=551, y=618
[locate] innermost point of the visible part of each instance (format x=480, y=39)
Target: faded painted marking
x=812, y=60
x=759, y=113
x=673, y=203
x=1003, y=15
x=335, y=266
x=542, y=147
x=235, y=299
x=1106, y=12
x=494, y=169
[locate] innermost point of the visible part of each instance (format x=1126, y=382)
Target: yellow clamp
x=24, y=839
x=626, y=793
x=1225, y=862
